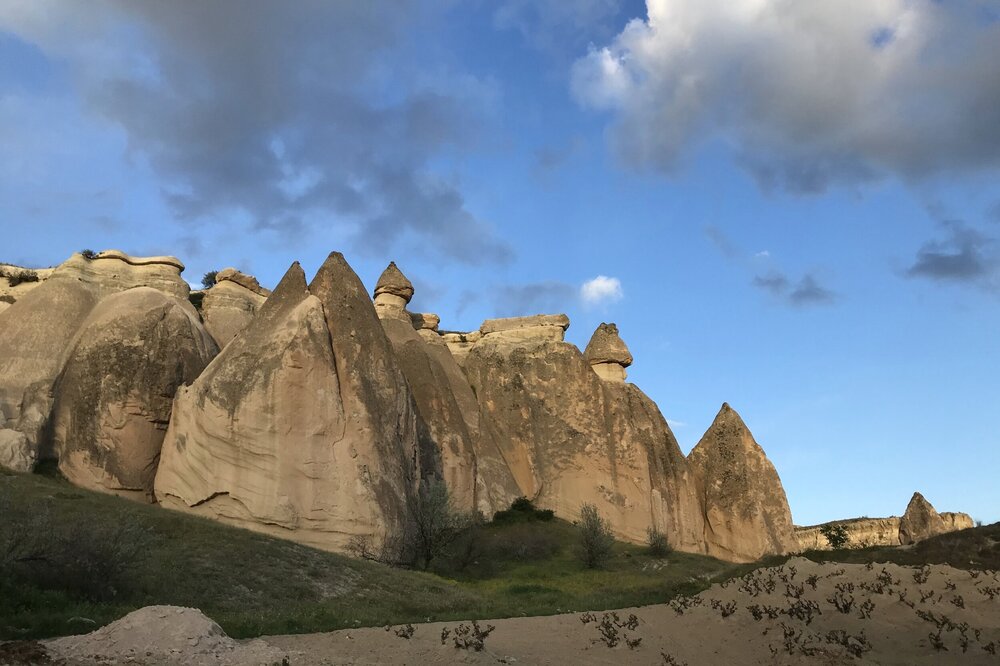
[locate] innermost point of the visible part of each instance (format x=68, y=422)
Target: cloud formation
x=806, y=94
x=286, y=116
x=965, y=256
x=601, y=291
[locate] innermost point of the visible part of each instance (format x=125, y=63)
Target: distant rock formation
x=38, y=332
x=230, y=304
x=746, y=511
x=303, y=426
x=607, y=354
x=114, y=395
x=918, y=523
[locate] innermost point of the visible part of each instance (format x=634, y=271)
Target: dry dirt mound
x=162, y=635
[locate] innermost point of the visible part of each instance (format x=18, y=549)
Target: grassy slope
x=253, y=584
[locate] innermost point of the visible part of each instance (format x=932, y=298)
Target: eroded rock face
x=568, y=438
x=746, y=511
x=38, y=329
x=17, y=281
x=114, y=395
x=920, y=521
x=861, y=533
x=230, y=304
x=303, y=426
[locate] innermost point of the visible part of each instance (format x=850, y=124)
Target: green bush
x=208, y=279
x=596, y=539
x=657, y=541
x=19, y=276
x=89, y=255
x=836, y=535
x=522, y=510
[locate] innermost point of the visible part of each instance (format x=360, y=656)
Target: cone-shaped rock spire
x=746, y=511
x=920, y=521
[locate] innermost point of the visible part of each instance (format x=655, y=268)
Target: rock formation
x=569, y=438
x=607, y=354
x=303, y=426
x=230, y=304
x=746, y=511
x=38, y=330
x=17, y=281
x=891, y=531
x=114, y=395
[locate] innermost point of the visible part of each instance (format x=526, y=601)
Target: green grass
x=254, y=585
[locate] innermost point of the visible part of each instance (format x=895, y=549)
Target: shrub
x=521, y=543
x=19, y=276
x=836, y=535
x=522, y=510
x=657, y=540
x=596, y=540
x=208, y=279
x=436, y=522
x=89, y=255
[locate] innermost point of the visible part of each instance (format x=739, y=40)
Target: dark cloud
x=965, y=255
x=529, y=299
x=806, y=292
x=290, y=116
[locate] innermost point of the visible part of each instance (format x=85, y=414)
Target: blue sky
x=794, y=207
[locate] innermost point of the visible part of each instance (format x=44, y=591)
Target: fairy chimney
x=392, y=292
x=607, y=354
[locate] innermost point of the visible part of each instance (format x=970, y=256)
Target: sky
x=790, y=206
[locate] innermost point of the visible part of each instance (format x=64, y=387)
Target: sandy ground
x=801, y=613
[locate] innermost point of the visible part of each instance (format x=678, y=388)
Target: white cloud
x=602, y=290
x=805, y=92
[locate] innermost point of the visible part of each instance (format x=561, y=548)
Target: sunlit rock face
x=113, y=399
x=304, y=425
x=38, y=331
x=230, y=304
x=746, y=511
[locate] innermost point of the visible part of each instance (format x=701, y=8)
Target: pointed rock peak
x=392, y=281
x=341, y=290
x=919, y=503
x=291, y=289
x=728, y=415
x=606, y=346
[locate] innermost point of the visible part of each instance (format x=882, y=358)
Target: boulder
x=920, y=521
x=746, y=511
x=303, y=426
x=392, y=292
x=38, y=329
x=569, y=439
x=112, y=400
x=607, y=354
x=230, y=304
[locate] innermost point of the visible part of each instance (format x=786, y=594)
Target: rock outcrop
x=230, y=304
x=114, y=396
x=568, y=438
x=746, y=511
x=303, y=426
x=920, y=521
x=607, y=354
x=39, y=328
x=17, y=281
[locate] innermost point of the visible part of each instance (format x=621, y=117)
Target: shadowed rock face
x=568, y=439
x=114, y=396
x=303, y=426
x=38, y=331
x=746, y=511
x=230, y=304
x=920, y=521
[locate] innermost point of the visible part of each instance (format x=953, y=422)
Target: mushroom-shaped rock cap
x=606, y=347
x=392, y=281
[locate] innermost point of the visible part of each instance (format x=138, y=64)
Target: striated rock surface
x=746, y=511
x=567, y=438
x=303, y=426
x=230, y=304
x=38, y=329
x=920, y=521
x=861, y=533
x=114, y=395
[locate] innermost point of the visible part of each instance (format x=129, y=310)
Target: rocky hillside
x=325, y=411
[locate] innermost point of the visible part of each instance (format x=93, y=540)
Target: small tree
x=836, y=535
x=595, y=538
x=208, y=279
x=436, y=522
x=657, y=540
x=89, y=255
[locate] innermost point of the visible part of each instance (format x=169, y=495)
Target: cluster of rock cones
x=313, y=413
